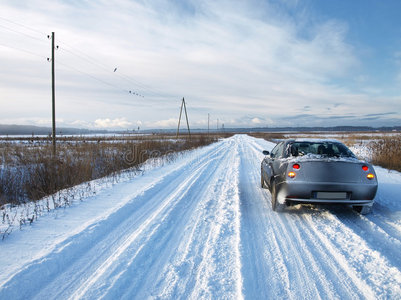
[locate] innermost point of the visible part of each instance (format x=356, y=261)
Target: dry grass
x=29, y=172
x=387, y=152
x=268, y=136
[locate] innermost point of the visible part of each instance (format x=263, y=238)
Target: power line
x=93, y=77
x=22, y=33
x=74, y=69
x=100, y=65
x=23, y=50
x=85, y=57
x=132, y=91
x=100, y=80
x=92, y=61
x=135, y=82
x=19, y=24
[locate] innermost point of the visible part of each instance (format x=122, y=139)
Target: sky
x=124, y=64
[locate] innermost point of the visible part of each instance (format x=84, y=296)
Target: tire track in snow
x=157, y=285
x=218, y=243
x=365, y=266
x=208, y=218
x=333, y=269
x=387, y=221
x=263, y=268
x=158, y=214
x=367, y=227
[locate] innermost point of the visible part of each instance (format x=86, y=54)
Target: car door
x=277, y=165
x=270, y=162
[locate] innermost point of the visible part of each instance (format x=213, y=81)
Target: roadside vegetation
x=268, y=136
x=29, y=171
x=387, y=152
x=34, y=182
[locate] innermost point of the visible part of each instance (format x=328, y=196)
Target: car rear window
x=331, y=149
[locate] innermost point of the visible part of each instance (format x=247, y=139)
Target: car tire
x=262, y=181
x=276, y=206
x=362, y=209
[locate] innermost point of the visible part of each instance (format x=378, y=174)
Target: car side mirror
x=265, y=152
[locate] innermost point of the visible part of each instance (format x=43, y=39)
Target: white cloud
x=108, y=123
x=42, y=122
x=256, y=121
x=81, y=124
x=169, y=123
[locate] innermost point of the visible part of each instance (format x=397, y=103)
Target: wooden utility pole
x=179, y=119
x=208, y=121
x=53, y=100
x=186, y=116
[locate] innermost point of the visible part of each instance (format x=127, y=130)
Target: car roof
x=312, y=140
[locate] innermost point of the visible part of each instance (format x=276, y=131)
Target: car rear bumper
x=331, y=201
x=308, y=192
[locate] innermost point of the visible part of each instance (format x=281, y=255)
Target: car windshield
x=325, y=148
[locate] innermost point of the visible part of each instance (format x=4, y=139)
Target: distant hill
x=314, y=129
x=36, y=130
x=280, y=129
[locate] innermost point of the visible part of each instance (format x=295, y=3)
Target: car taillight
x=296, y=166
x=365, y=168
x=370, y=176
x=291, y=174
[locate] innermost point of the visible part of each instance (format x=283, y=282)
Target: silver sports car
x=317, y=171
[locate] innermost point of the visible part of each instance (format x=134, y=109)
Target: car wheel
x=362, y=209
x=262, y=181
x=276, y=206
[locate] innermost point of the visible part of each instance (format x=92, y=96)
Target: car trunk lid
x=329, y=171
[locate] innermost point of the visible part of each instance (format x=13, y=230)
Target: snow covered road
x=202, y=227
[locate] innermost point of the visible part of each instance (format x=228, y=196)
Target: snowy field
x=202, y=228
